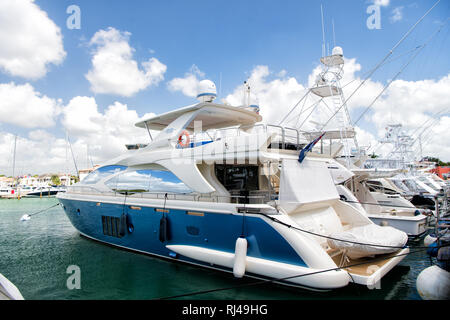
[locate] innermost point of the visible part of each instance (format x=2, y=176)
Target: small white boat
x=8, y=192
x=8, y=291
x=44, y=192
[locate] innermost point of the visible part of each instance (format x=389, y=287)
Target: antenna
x=14, y=158
x=73, y=157
x=67, y=156
x=323, y=32
x=246, y=99
x=220, y=84
x=334, y=36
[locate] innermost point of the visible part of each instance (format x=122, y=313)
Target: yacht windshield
x=157, y=181
x=101, y=173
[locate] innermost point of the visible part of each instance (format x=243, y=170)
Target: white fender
x=429, y=240
x=433, y=283
x=240, y=255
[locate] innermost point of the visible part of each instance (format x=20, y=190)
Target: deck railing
x=284, y=137
x=254, y=197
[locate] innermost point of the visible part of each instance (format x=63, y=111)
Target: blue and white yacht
x=220, y=189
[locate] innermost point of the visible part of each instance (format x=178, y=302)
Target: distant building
x=29, y=180
x=5, y=181
x=45, y=180
x=84, y=172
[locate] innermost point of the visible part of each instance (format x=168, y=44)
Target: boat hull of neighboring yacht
x=385, y=207
x=44, y=192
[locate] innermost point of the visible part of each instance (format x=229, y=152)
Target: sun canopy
x=211, y=115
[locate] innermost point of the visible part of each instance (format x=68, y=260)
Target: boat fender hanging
x=164, y=229
x=240, y=257
x=433, y=283
x=187, y=140
x=123, y=223
x=130, y=226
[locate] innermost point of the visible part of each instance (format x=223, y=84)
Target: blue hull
x=102, y=222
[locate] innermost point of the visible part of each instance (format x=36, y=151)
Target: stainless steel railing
x=285, y=137
x=254, y=197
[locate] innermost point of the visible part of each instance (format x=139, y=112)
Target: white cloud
x=95, y=136
x=410, y=103
x=187, y=85
x=275, y=97
x=278, y=94
x=81, y=116
x=30, y=41
x=113, y=69
x=40, y=153
x=381, y=3
x=21, y=105
x=397, y=14
x=106, y=133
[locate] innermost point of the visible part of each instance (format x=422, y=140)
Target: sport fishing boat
x=361, y=189
x=219, y=189
x=384, y=204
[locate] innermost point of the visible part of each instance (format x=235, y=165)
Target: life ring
x=185, y=144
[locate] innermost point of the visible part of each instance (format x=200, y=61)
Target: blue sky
x=232, y=37
x=226, y=40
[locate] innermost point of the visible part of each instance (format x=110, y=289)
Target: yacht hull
x=42, y=194
x=202, y=238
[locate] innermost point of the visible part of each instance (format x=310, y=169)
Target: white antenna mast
x=14, y=159
x=67, y=156
x=334, y=36
x=246, y=101
x=220, y=84
x=323, y=32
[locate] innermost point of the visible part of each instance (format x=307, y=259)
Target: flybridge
x=211, y=115
x=205, y=122
x=178, y=125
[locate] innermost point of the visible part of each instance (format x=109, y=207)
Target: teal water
x=35, y=255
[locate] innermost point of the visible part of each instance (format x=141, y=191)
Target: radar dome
x=206, y=91
x=337, y=51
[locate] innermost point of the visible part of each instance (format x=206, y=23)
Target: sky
x=92, y=75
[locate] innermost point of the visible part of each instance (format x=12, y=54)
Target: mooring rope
x=332, y=238
x=40, y=211
x=285, y=278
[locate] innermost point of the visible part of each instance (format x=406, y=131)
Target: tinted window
x=148, y=181
x=101, y=173
x=235, y=177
